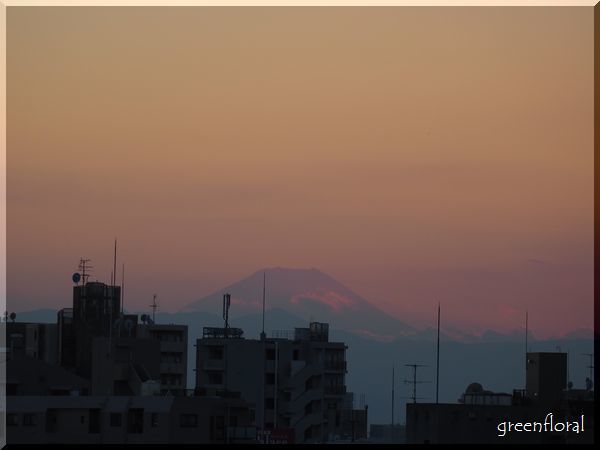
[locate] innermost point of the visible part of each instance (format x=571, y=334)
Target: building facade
x=483, y=417
x=295, y=383
x=127, y=420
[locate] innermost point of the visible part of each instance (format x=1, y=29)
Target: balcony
x=168, y=367
x=213, y=364
x=335, y=390
x=335, y=366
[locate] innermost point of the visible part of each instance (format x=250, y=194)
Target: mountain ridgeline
x=309, y=295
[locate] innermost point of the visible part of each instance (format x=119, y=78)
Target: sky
x=417, y=155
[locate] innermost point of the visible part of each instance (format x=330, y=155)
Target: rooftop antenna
x=115, y=264
x=85, y=269
x=437, y=378
x=262, y=334
x=226, y=305
x=113, y=281
x=414, y=381
x=154, y=306
x=122, y=289
x=569, y=384
x=526, y=336
x=393, y=393
x=591, y=367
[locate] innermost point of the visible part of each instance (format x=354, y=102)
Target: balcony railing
x=335, y=390
x=335, y=365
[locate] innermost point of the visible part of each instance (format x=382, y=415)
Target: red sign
x=278, y=436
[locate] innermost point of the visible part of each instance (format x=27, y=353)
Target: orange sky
x=415, y=154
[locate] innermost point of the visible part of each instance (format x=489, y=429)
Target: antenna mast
x=123, y=289
x=154, y=306
x=526, y=336
x=437, y=379
x=414, y=381
x=226, y=304
x=591, y=367
x=393, y=393
x=263, y=335
x=85, y=269
x=113, y=280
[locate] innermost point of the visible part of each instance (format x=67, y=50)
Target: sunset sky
x=417, y=155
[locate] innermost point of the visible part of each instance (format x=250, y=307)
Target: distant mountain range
x=308, y=294
x=295, y=297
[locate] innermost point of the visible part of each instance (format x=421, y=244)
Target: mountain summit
x=308, y=294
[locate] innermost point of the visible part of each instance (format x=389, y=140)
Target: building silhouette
x=479, y=415
x=296, y=381
x=99, y=375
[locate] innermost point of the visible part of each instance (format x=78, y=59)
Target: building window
x=215, y=353
x=115, y=419
x=308, y=433
x=215, y=378
x=309, y=384
x=29, y=420
x=12, y=420
x=269, y=378
x=94, y=425
x=295, y=355
x=51, y=420
x=154, y=420
x=270, y=354
x=270, y=403
x=135, y=421
x=188, y=420
x=170, y=358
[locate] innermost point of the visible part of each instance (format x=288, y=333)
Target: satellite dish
x=76, y=277
x=13, y=316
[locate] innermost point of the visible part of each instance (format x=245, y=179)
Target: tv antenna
x=226, y=305
x=262, y=334
x=85, y=268
x=591, y=367
x=414, y=381
x=154, y=307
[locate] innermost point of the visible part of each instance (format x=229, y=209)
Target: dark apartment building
x=173, y=347
x=95, y=341
x=99, y=375
x=128, y=420
x=296, y=382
